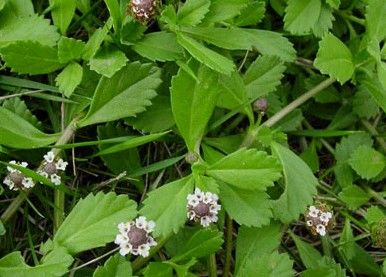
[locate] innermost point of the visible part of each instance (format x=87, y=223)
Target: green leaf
x=364, y=104
x=205, y=55
x=2, y=228
x=62, y=13
x=346, y=241
x=192, y=12
x=107, y=61
x=263, y=76
x=324, y=22
x=367, y=162
x=56, y=263
x=95, y=41
x=247, y=169
x=188, y=96
x=338, y=63
x=158, y=269
x=69, y=78
x=300, y=185
x=249, y=208
x=374, y=215
x=70, y=49
x=371, y=85
x=252, y=243
x=131, y=31
x=310, y=156
x=251, y=14
x=159, y=46
x=375, y=19
x=167, y=206
x=354, y=196
x=30, y=57
x=157, y=118
x=93, y=221
x=301, y=16
x=115, y=13
x=269, y=265
x=201, y=244
x=308, y=254
x=18, y=106
x=221, y=10
x=16, y=132
x=125, y=94
x=20, y=30
x=115, y=266
x=333, y=3
x=130, y=143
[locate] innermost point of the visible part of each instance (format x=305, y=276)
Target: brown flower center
x=50, y=168
x=137, y=236
x=16, y=178
x=201, y=209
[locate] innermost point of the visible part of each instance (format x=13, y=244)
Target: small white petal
x=321, y=230
x=24, y=164
x=7, y=181
x=11, y=169
x=150, y=226
x=56, y=179
x=191, y=215
x=143, y=250
x=205, y=221
x=28, y=183
x=151, y=242
x=309, y=223
x=49, y=157
x=43, y=173
x=124, y=250
x=213, y=218
x=141, y=222
x=193, y=200
x=214, y=208
x=120, y=239
x=61, y=165
x=134, y=252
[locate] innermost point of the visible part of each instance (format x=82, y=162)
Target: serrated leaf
x=364, y=105
x=221, y=10
x=201, y=244
x=269, y=265
x=115, y=13
x=249, y=208
x=56, y=263
x=62, y=13
x=381, y=72
x=18, y=106
x=247, y=169
x=20, y=30
x=263, y=76
x=374, y=215
x=308, y=254
x=375, y=19
x=251, y=14
x=347, y=241
x=167, y=206
x=115, y=266
x=70, y=49
x=30, y=57
x=300, y=185
x=349, y=144
x=157, y=118
x=301, y=16
x=159, y=46
x=95, y=41
x=252, y=243
x=338, y=63
x=16, y=132
x=189, y=96
x=93, y=221
x=69, y=78
x=192, y=12
x=158, y=269
x=125, y=94
x=375, y=89
x=333, y=3
x=107, y=61
x=324, y=21
x=205, y=55
x=353, y=196
x=367, y=162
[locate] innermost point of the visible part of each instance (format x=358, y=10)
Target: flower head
x=134, y=237
x=143, y=10
x=319, y=219
x=16, y=180
x=51, y=167
x=203, y=207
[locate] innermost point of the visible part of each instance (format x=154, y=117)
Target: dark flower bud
x=143, y=10
x=260, y=105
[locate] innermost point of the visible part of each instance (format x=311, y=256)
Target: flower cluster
x=16, y=180
x=134, y=237
x=203, y=207
x=143, y=10
x=319, y=219
x=50, y=168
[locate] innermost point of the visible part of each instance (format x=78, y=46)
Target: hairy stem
x=251, y=137
x=228, y=245
x=212, y=265
x=16, y=203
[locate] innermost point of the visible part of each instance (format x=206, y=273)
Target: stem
x=376, y=196
x=251, y=136
x=16, y=203
x=228, y=245
x=212, y=265
x=374, y=132
x=58, y=209
x=139, y=262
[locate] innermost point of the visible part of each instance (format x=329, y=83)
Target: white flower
x=313, y=212
x=203, y=207
x=61, y=165
x=309, y=223
x=325, y=217
x=16, y=180
x=49, y=157
x=55, y=179
x=134, y=237
x=321, y=229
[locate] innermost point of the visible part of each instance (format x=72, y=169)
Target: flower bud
x=260, y=105
x=143, y=10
